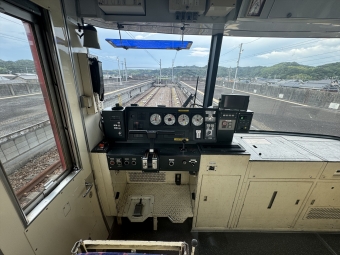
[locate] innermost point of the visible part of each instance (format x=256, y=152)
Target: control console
x=168, y=138
x=164, y=158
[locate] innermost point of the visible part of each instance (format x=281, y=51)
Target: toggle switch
x=198, y=134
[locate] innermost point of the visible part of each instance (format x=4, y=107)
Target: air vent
x=324, y=213
x=146, y=177
x=126, y=7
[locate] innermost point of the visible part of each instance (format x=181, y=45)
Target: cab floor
x=241, y=243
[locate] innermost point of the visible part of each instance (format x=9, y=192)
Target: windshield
x=292, y=83
x=150, y=77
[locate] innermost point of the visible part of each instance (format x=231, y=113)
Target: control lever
x=183, y=145
x=138, y=209
x=194, y=244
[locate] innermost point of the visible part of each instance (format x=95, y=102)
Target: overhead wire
x=253, y=40
x=296, y=59
x=229, y=51
x=175, y=56
x=280, y=48
x=14, y=37
x=239, y=46
x=129, y=34
x=11, y=21
x=265, y=52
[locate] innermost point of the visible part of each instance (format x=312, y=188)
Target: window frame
x=46, y=51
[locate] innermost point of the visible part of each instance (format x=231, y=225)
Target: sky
x=256, y=51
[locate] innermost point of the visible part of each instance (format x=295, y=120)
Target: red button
x=101, y=146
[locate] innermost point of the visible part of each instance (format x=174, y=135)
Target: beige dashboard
x=285, y=183
x=280, y=183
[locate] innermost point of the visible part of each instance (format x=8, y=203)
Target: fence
x=25, y=143
x=317, y=98
x=16, y=88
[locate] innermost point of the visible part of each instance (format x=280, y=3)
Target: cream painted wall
x=69, y=217
x=12, y=236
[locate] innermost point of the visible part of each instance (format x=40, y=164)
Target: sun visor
x=150, y=44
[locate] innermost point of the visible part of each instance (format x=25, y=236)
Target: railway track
x=37, y=179
x=177, y=100
x=145, y=101
x=168, y=96
x=139, y=97
x=182, y=97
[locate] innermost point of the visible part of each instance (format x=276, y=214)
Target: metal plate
x=172, y=201
x=147, y=211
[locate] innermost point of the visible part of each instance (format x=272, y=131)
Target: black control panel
x=114, y=123
x=126, y=157
x=164, y=158
x=170, y=125
x=244, y=122
x=230, y=122
x=168, y=138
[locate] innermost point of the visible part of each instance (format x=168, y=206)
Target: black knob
x=117, y=107
x=194, y=243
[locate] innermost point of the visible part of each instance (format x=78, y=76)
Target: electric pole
x=238, y=61
x=125, y=70
x=172, y=76
x=120, y=77
x=229, y=74
x=160, y=70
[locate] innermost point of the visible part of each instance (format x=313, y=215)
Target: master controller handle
x=194, y=244
x=183, y=145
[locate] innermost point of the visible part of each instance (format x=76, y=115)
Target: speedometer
x=169, y=119
x=155, y=119
x=197, y=120
x=183, y=119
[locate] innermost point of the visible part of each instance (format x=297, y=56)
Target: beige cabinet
x=216, y=200
x=272, y=205
x=322, y=210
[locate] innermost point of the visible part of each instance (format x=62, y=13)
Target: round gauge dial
x=169, y=119
x=197, y=120
x=183, y=119
x=155, y=119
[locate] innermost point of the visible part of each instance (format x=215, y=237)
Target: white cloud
x=200, y=49
x=199, y=52
x=144, y=35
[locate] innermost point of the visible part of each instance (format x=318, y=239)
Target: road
x=274, y=114
x=21, y=112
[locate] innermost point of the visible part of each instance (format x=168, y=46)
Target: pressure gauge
x=169, y=119
x=183, y=119
x=197, y=120
x=155, y=119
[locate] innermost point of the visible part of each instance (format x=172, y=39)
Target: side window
x=30, y=149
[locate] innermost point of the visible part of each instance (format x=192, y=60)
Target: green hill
x=19, y=66
x=285, y=70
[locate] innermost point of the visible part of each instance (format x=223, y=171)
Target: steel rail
x=139, y=98
x=37, y=179
x=155, y=91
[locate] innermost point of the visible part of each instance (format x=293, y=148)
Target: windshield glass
x=292, y=83
x=30, y=150
x=151, y=77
